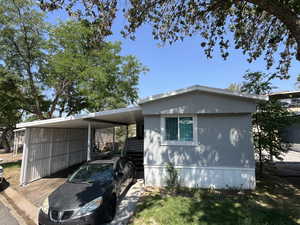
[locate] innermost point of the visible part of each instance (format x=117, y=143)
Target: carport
x=55, y=144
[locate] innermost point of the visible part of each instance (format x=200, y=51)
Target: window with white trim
x=179, y=130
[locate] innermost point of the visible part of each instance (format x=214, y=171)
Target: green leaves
x=260, y=28
x=269, y=120
x=63, y=69
x=49, y=71
x=102, y=77
x=10, y=99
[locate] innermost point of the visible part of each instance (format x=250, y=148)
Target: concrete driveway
x=37, y=191
x=290, y=171
x=6, y=218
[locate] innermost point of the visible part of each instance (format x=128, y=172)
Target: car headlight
x=45, y=206
x=89, y=207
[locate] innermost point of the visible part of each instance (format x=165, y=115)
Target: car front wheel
x=110, y=209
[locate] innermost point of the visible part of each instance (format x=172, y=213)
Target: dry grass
x=12, y=166
x=9, y=157
x=12, y=172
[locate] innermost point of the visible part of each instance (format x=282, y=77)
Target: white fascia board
x=20, y=129
x=204, y=89
x=45, y=122
x=111, y=112
x=284, y=93
x=78, y=117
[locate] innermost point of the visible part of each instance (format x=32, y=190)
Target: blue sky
x=184, y=64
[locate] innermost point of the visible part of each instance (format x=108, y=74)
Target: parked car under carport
x=90, y=195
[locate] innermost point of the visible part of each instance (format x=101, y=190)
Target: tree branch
x=285, y=15
x=28, y=66
x=57, y=96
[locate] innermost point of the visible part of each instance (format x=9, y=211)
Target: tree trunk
x=260, y=156
x=5, y=142
x=260, y=162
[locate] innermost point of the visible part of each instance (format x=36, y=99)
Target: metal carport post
x=89, y=142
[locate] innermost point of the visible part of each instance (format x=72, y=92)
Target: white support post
x=68, y=146
x=51, y=151
x=89, y=142
x=124, y=150
x=17, y=135
x=15, y=145
x=114, y=139
x=23, y=177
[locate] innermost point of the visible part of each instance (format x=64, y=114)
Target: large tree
x=84, y=74
x=235, y=87
x=11, y=102
x=261, y=28
x=48, y=71
x=62, y=68
x=23, y=47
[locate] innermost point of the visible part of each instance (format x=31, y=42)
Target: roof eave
x=204, y=89
x=78, y=117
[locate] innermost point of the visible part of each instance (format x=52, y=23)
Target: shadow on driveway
x=38, y=190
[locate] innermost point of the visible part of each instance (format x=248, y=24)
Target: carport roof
x=129, y=115
x=104, y=119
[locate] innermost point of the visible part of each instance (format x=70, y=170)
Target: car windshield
x=91, y=173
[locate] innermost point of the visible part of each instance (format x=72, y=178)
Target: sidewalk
x=127, y=206
x=8, y=214
x=21, y=205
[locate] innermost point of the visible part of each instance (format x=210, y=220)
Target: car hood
x=75, y=195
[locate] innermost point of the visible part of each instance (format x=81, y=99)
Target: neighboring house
x=291, y=134
x=204, y=132
x=289, y=99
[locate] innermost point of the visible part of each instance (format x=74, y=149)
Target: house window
x=178, y=130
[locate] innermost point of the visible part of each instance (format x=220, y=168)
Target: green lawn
x=275, y=202
x=12, y=165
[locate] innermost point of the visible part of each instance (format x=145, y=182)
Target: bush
x=173, y=182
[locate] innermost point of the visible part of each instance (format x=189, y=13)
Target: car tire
x=111, y=209
x=134, y=180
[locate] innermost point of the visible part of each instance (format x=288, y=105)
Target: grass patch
x=10, y=165
x=12, y=172
x=274, y=202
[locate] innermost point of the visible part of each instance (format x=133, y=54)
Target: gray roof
x=129, y=115
x=203, y=89
x=285, y=94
